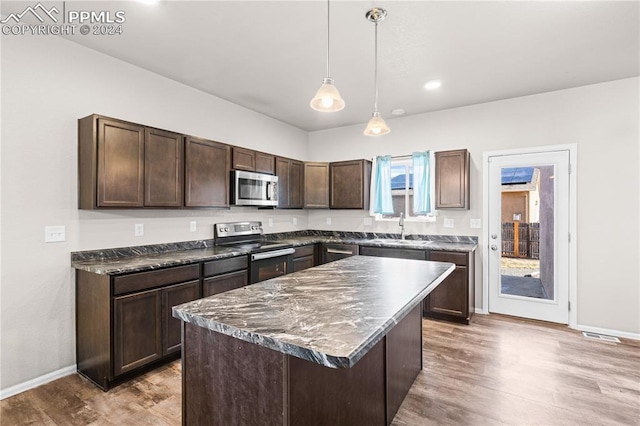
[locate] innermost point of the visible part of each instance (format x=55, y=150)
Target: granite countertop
x=331, y=314
x=419, y=244
x=143, y=258
x=128, y=260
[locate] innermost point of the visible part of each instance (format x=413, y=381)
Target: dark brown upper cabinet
x=290, y=183
x=316, y=185
x=253, y=161
x=452, y=179
x=124, y=165
x=163, y=168
x=265, y=163
x=244, y=159
x=350, y=183
x=207, y=173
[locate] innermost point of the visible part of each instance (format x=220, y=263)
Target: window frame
x=407, y=162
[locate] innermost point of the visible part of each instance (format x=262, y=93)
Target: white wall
x=47, y=84
x=602, y=119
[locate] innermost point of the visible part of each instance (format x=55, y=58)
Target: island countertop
x=330, y=314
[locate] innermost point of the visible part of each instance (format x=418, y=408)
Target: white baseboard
x=608, y=332
x=605, y=331
x=34, y=383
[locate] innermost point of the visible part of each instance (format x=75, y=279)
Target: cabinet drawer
x=146, y=280
x=393, y=252
x=449, y=256
x=222, y=266
x=304, y=251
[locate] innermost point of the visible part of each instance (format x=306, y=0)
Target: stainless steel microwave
x=253, y=189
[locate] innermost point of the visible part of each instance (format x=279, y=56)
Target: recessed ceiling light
x=433, y=84
x=397, y=111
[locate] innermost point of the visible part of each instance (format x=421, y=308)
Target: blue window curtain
x=381, y=200
x=421, y=183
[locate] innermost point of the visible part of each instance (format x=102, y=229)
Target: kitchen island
x=336, y=344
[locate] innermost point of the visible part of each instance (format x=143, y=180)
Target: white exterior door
x=528, y=234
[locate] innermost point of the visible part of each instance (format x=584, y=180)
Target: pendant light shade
x=376, y=126
x=327, y=98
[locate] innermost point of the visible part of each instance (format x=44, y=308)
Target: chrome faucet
x=401, y=224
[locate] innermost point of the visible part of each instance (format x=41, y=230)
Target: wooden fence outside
x=521, y=240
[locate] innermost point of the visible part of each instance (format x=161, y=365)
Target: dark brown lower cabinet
x=124, y=323
x=224, y=282
x=454, y=298
x=304, y=257
x=172, y=296
x=137, y=336
x=224, y=275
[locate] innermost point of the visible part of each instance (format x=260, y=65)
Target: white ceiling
x=270, y=56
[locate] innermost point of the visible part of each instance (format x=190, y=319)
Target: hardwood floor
x=497, y=370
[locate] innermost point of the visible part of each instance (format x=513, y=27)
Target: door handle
x=494, y=247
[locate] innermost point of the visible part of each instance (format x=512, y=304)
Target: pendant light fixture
x=327, y=98
x=376, y=126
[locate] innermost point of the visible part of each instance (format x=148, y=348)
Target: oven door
x=271, y=264
x=254, y=189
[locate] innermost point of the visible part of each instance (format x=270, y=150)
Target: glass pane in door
x=527, y=260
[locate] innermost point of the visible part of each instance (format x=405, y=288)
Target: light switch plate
x=270, y=223
x=448, y=223
x=368, y=221
x=138, y=230
x=475, y=223
x=295, y=221
x=54, y=234
x=193, y=226
x=328, y=221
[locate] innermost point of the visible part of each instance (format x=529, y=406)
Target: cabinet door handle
x=336, y=251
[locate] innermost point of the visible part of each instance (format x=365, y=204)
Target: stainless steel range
x=268, y=259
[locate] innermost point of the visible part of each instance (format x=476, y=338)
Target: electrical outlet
x=138, y=230
x=368, y=221
x=270, y=223
x=475, y=223
x=295, y=221
x=328, y=221
x=448, y=223
x=54, y=234
x=193, y=226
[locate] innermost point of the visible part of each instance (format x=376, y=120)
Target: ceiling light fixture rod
x=328, y=36
x=375, y=67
